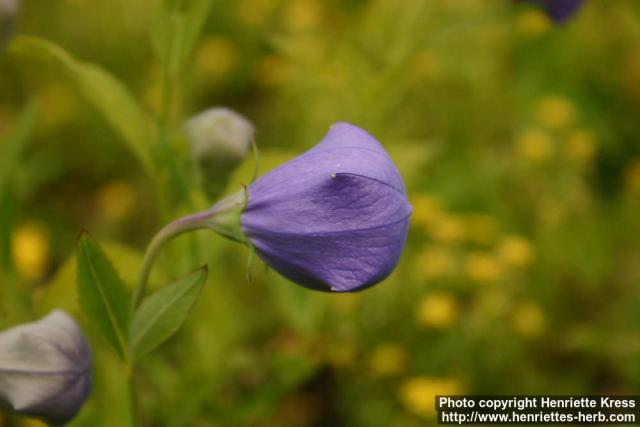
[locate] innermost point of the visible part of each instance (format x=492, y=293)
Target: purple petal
x=335, y=217
x=561, y=10
x=558, y=10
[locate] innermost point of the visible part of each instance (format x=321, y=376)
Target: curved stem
x=136, y=416
x=169, y=231
x=223, y=218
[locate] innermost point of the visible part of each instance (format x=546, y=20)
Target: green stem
x=170, y=105
x=173, y=229
x=136, y=414
x=223, y=218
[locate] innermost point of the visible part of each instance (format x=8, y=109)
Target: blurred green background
x=518, y=142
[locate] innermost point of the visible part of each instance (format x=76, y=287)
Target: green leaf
x=103, y=296
x=61, y=291
x=176, y=29
x=11, y=149
x=195, y=18
x=162, y=314
x=105, y=92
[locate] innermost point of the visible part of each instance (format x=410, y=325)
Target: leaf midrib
x=111, y=316
x=164, y=309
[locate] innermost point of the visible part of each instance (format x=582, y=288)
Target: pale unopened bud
x=220, y=139
x=45, y=368
x=8, y=10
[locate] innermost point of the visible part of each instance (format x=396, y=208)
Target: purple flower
x=45, y=368
x=334, y=218
x=559, y=10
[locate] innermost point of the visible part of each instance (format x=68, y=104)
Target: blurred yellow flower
x=302, y=15
x=535, y=145
x=273, y=71
x=581, y=146
x=448, y=228
x=387, y=360
x=427, y=209
x=483, y=267
x=116, y=200
x=632, y=176
x=516, y=251
x=528, y=319
x=418, y=394
x=437, y=310
x=533, y=23
x=30, y=246
x=215, y=57
x=254, y=13
x=480, y=228
x=556, y=112
x=434, y=262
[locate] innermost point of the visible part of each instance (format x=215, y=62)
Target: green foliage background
x=517, y=139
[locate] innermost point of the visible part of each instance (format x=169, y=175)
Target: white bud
x=221, y=132
x=220, y=139
x=9, y=7
x=8, y=10
x=45, y=368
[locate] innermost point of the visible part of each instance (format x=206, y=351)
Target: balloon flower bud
x=220, y=139
x=559, y=10
x=334, y=218
x=8, y=10
x=45, y=368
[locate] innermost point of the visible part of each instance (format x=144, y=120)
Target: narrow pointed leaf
x=104, y=91
x=195, y=19
x=12, y=147
x=103, y=296
x=176, y=29
x=162, y=314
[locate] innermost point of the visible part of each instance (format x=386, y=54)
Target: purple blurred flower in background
x=45, y=368
x=559, y=10
x=335, y=218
